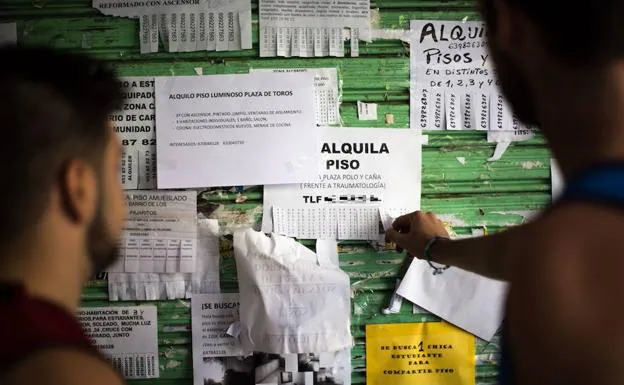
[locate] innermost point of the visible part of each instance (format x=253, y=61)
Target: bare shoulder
x=63, y=366
x=567, y=297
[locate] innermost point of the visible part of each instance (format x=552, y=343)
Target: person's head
x=539, y=45
x=59, y=155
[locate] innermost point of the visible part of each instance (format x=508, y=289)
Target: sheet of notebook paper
x=135, y=126
x=201, y=25
x=453, y=82
x=326, y=92
x=361, y=170
x=311, y=29
x=160, y=233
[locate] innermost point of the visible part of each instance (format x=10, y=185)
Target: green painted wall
x=472, y=194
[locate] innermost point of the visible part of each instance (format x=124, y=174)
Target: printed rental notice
x=160, y=233
x=127, y=336
x=233, y=130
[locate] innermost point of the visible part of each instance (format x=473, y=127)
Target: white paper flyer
x=135, y=125
x=168, y=286
x=361, y=170
x=292, y=300
x=312, y=28
x=217, y=356
x=160, y=233
x=250, y=129
x=326, y=93
x=186, y=25
x=453, y=81
x=127, y=336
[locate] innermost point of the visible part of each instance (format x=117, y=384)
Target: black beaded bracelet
x=436, y=270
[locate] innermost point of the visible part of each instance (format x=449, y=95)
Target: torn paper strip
x=154, y=286
x=453, y=84
x=199, y=25
x=361, y=170
x=327, y=92
x=127, y=336
x=8, y=33
x=146, y=246
x=556, y=180
x=327, y=250
x=241, y=123
x=312, y=28
x=467, y=300
x=135, y=126
x=291, y=302
x=503, y=139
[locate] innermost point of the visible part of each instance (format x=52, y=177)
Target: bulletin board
x=458, y=183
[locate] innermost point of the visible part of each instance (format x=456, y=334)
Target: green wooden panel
x=458, y=183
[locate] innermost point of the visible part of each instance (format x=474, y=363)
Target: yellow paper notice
x=419, y=353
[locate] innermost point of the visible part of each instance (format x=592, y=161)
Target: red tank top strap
x=29, y=325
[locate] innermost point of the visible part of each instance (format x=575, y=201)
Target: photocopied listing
x=453, y=81
x=312, y=28
x=168, y=286
x=292, y=300
x=126, y=335
x=217, y=355
x=361, y=170
x=159, y=234
x=259, y=128
x=327, y=93
x=135, y=126
x=189, y=25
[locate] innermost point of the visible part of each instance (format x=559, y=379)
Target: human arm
x=488, y=256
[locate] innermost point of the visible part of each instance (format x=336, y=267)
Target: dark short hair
x=589, y=33
x=54, y=107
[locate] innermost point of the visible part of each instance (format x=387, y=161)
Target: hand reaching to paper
x=413, y=231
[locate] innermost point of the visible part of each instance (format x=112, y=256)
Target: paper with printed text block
x=361, y=170
x=186, y=25
x=168, y=286
x=127, y=336
x=326, y=92
x=135, y=126
x=419, y=353
x=159, y=234
x=258, y=128
x=312, y=29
